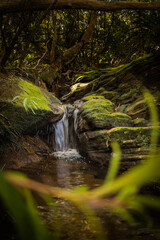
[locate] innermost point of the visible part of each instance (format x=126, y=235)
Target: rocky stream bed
x=108, y=105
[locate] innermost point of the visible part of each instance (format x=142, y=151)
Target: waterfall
x=61, y=135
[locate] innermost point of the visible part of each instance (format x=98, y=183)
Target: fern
x=28, y=103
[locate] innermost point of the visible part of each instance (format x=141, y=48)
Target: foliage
x=118, y=194
x=31, y=96
x=118, y=37
x=20, y=100
x=29, y=103
x=24, y=212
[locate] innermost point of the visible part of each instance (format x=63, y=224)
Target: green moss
x=107, y=94
x=92, y=96
x=33, y=95
x=133, y=136
x=20, y=120
x=129, y=94
x=106, y=120
x=25, y=106
x=97, y=102
x=91, y=75
x=98, y=113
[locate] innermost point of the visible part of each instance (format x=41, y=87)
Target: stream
x=65, y=168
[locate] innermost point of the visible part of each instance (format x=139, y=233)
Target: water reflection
x=70, y=168
x=67, y=170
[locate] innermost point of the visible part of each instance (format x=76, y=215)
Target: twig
x=42, y=56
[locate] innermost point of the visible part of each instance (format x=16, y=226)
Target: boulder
x=94, y=146
x=26, y=151
x=25, y=108
x=114, y=109
x=135, y=143
x=98, y=113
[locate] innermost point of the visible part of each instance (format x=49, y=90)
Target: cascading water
x=61, y=136
x=65, y=130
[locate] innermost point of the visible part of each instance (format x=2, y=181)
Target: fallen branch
x=19, y=5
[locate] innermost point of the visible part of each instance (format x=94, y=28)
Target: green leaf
x=21, y=207
x=25, y=104
x=154, y=119
x=34, y=104
x=126, y=191
x=81, y=189
x=16, y=97
x=114, y=163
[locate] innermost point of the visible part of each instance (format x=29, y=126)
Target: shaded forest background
x=48, y=48
x=52, y=45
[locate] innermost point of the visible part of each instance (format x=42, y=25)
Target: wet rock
x=25, y=107
x=98, y=113
x=26, y=150
x=94, y=146
x=134, y=143
x=114, y=109
x=131, y=137
x=77, y=91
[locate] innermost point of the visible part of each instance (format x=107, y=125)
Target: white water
x=70, y=154
x=61, y=136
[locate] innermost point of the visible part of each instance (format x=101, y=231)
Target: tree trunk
x=72, y=52
x=53, y=47
x=19, y=5
x=8, y=49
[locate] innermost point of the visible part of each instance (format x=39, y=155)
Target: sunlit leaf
x=81, y=189
x=15, y=98
x=25, y=104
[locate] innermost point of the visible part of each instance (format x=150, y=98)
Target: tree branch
x=41, y=56
x=7, y=6
x=54, y=41
x=2, y=32
x=72, y=52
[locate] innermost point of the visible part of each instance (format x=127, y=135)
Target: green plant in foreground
x=118, y=194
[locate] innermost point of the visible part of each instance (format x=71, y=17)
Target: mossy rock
x=96, y=104
x=111, y=95
x=25, y=107
x=107, y=121
x=140, y=122
x=98, y=112
x=93, y=96
x=129, y=94
x=91, y=75
x=78, y=90
x=138, y=109
x=131, y=137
